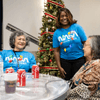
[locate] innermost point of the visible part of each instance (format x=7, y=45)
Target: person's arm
x=57, y=58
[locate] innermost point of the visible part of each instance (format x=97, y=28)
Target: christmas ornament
x=59, y=2
x=43, y=44
x=45, y=61
x=38, y=48
x=10, y=56
x=21, y=56
x=65, y=49
x=50, y=60
x=50, y=20
x=38, y=63
x=50, y=42
x=68, y=33
x=46, y=29
x=72, y=38
x=47, y=48
x=48, y=37
x=53, y=28
x=20, y=59
x=41, y=56
x=45, y=7
x=47, y=16
x=10, y=61
x=61, y=43
x=55, y=13
x=51, y=7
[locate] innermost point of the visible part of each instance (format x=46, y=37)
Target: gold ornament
x=51, y=7
x=38, y=48
x=65, y=49
x=68, y=33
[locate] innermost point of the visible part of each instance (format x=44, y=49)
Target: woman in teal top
x=17, y=58
x=68, y=42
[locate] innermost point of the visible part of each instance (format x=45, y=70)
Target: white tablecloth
x=46, y=87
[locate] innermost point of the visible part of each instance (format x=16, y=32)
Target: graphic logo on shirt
x=24, y=60
x=71, y=34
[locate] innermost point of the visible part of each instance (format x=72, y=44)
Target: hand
x=62, y=71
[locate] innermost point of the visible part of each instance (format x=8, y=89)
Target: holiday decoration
x=21, y=56
x=53, y=28
x=10, y=61
x=20, y=59
x=45, y=54
x=68, y=33
x=61, y=43
x=10, y=56
x=65, y=49
x=72, y=38
x=47, y=16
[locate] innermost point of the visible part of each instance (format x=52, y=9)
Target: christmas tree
x=45, y=55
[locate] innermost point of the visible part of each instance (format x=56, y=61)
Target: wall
x=24, y=14
x=90, y=16
x=27, y=15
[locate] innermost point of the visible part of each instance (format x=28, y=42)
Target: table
x=46, y=87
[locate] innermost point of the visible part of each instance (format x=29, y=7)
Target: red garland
x=50, y=15
x=48, y=67
x=55, y=3
x=46, y=32
x=51, y=49
x=42, y=50
x=45, y=50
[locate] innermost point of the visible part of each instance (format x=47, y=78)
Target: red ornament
x=61, y=43
x=10, y=61
x=50, y=60
x=72, y=38
x=20, y=59
x=47, y=4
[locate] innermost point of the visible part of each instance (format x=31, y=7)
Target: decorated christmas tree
x=45, y=55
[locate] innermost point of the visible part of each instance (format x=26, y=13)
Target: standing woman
x=68, y=42
x=17, y=58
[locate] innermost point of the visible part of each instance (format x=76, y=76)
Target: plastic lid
x=10, y=76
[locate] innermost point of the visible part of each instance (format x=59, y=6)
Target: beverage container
x=10, y=80
x=9, y=70
x=21, y=77
x=35, y=71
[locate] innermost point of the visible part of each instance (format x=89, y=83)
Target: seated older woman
x=86, y=82
x=17, y=58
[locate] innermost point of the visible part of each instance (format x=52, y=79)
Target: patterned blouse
x=86, y=82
